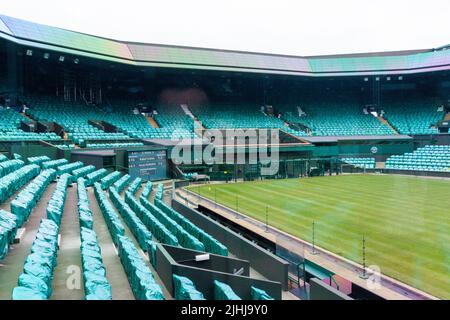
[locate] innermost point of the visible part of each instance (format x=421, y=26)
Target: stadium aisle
x=115, y=273
x=11, y=267
x=69, y=253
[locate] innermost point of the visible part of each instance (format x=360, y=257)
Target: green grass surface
x=406, y=220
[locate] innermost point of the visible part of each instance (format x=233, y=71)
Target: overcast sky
x=314, y=27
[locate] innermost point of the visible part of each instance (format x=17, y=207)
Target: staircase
x=380, y=165
x=187, y=111
x=447, y=117
x=152, y=122
x=385, y=122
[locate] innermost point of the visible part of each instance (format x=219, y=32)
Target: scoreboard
x=149, y=165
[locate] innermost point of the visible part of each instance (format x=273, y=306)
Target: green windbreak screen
x=61, y=37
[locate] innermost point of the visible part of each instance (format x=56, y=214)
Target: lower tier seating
x=35, y=283
x=26, y=200
x=211, y=244
x=184, y=289
x=96, y=286
x=15, y=180
x=137, y=228
x=8, y=230
x=55, y=207
x=222, y=291
x=9, y=166
x=428, y=158
x=364, y=163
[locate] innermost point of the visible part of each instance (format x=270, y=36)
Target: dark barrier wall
x=186, y=257
x=321, y=291
x=32, y=149
x=203, y=279
x=263, y=261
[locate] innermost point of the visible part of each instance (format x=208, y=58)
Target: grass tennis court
x=406, y=220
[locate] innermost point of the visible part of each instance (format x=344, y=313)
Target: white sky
x=294, y=27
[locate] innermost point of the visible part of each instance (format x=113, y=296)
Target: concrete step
x=152, y=122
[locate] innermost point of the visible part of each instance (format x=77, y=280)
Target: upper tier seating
x=172, y=122
x=235, y=117
x=413, y=116
x=9, y=128
x=333, y=118
x=428, y=158
x=73, y=117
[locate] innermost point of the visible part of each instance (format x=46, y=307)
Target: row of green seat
x=112, y=219
x=137, y=228
x=6, y=167
x=141, y=279
x=184, y=289
x=95, y=176
x=122, y=183
x=365, y=163
x=235, y=117
x=114, y=145
x=8, y=229
x=185, y=239
x=335, y=116
x=35, y=281
x=55, y=207
x=53, y=164
x=135, y=185
x=70, y=167
x=159, y=230
x=159, y=192
x=73, y=116
x=10, y=122
x=222, y=291
x=26, y=200
x=139, y=275
x=96, y=285
x=147, y=190
x=413, y=115
x=84, y=211
x=38, y=160
x=428, y=158
x=211, y=244
x=108, y=180
x=3, y=157
x=82, y=172
x=15, y=180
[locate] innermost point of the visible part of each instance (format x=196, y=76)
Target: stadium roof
x=35, y=35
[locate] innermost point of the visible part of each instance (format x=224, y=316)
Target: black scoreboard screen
x=149, y=165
